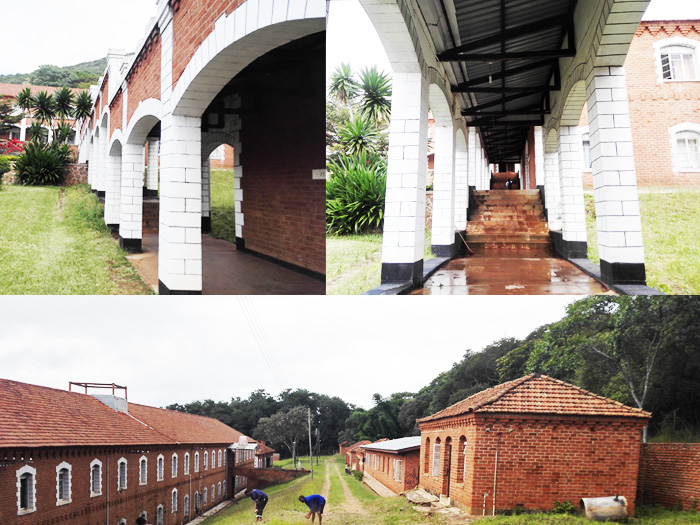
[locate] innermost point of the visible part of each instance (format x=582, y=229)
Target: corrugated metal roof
x=395, y=445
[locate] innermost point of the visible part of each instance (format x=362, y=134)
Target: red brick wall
x=86, y=510
x=263, y=477
x=655, y=106
x=385, y=471
x=115, y=113
x=145, y=80
x=226, y=162
x=669, y=474
x=539, y=460
x=192, y=23
x=285, y=214
x=103, y=94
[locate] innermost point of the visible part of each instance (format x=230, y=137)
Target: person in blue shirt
x=260, y=499
x=315, y=504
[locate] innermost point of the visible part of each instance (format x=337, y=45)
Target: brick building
x=530, y=442
x=393, y=464
x=352, y=459
x=669, y=475
x=83, y=459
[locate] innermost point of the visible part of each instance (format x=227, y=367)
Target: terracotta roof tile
x=12, y=90
x=539, y=394
x=355, y=446
x=36, y=416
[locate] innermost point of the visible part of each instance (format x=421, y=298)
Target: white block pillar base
x=573, y=211
x=113, y=191
x=206, y=196
x=461, y=182
x=443, y=234
x=102, y=162
x=180, y=240
x=552, y=193
x=614, y=178
x=131, y=209
x=404, y=221
x=152, y=172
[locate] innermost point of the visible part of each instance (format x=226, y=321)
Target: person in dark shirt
x=260, y=499
x=315, y=504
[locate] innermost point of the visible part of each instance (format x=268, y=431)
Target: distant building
x=351, y=455
x=68, y=457
x=393, y=464
x=528, y=443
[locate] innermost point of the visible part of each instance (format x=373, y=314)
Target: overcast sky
x=185, y=349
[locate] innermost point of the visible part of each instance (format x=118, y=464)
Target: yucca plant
x=359, y=136
x=40, y=165
x=38, y=132
x=355, y=195
x=375, y=90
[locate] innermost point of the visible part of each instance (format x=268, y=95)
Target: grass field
x=643, y=516
x=54, y=241
x=223, y=218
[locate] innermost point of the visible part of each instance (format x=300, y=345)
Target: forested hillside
x=77, y=76
x=642, y=351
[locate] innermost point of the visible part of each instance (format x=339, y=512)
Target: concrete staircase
x=150, y=214
x=508, y=220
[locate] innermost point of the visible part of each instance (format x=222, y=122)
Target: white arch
x=148, y=113
x=250, y=31
x=117, y=136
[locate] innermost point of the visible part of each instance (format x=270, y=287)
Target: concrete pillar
x=552, y=193
x=101, y=179
x=152, y=172
x=539, y=156
x=92, y=156
x=571, y=186
x=614, y=178
x=471, y=152
x=113, y=189
x=443, y=235
x=23, y=129
x=131, y=198
x=404, y=222
x=461, y=181
x=237, y=190
x=206, y=195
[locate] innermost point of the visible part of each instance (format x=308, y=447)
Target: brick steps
x=510, y=220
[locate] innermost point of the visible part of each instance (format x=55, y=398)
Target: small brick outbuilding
x=393, y=463
x=529, y=442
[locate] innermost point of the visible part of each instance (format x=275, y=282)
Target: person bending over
x=260, y=499
x=315, y=504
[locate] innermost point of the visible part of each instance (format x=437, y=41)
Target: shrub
x=564, y=507
x=41, y=165
x=355, y=195
x=5, y=165
x=357, y=474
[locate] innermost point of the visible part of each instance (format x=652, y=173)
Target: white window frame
x=21, y=472
x=677, y=41
x=204, y=497
x=213, y=493
x=398, y=470
x=160, y=467
x=206, y=460
x=120, y=485
x=122, y=521
x=64, y=501
x=673, y=136
x=436, y=460
x=196, y=461
x=143, y=472
x=186, y=504
x=197, y=501
x=173, y=501
x=187, y=464
x=223, y=488
x=218, y=488
x=220, y=453
x=174, y=465
x=95, y=463
x=160, y=515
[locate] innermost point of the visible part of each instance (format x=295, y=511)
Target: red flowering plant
x=11, y=146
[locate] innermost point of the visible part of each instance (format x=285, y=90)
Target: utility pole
x=311, y=458
x=318, y=444
x=294, y=455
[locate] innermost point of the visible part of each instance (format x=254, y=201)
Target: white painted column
x=152, y=173
x=113, y=189
x=23, y=129
x=101, y=178
x=237, y=190
x=471, y=153
x=131, y=198
x=443, y=236
x=461, y=181
x=92, y=155
x=614, y=178
x=206, y=195
x=404, y=222
x=571, y=186
x=551, y=190
x=539, y=156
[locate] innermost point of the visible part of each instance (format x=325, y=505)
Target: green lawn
x=643, y=516
x=354, y=262
x=223, y=218
x=671, y=242
x=54, y=241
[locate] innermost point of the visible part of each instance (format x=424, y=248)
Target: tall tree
x=284, y=428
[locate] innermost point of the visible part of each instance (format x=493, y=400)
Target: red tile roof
x=539, y=394
x=12, y=90
x=36, y=416
x=355, y=446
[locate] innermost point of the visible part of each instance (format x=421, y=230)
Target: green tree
x=8, y=118
x=375, y=93
x=343, y=87
x=284, y=428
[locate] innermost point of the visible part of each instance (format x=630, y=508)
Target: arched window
x=206, y=460
x=186, y=505
x=204, y=498
x=219, y=457
x=224, y=488
x=213, y=494
x=121, y=474
x=161, y=467
x=143, y=470
x=685, y=141
x=678, y=59
x=174, y=465
x=26, y=496
x=426, y=459
x=159, y=515
x=196, y=461
x=218, y=487
x=436, y=458
x=197, y=501
x=174, y=501
x=122, y=521
x=95, y=478
x=63, y=483
x=187, y=463
x=462, y=459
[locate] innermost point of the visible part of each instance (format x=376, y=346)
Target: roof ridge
x=513, y=384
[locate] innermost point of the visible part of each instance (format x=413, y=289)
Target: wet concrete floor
x=511, y=272
x=226, y=271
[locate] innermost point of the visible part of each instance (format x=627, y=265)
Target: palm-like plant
x=83, y=106
x=375, y=90
x=63, y=103
x=37, y=131
x=44, y=107
x=343, y=86
x=359, y=136
x=25, y=101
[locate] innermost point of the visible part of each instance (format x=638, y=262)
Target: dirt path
x=352, y=504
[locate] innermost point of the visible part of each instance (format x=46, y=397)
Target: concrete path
x=210, y=512
x=509, y=272
x=226, y=271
